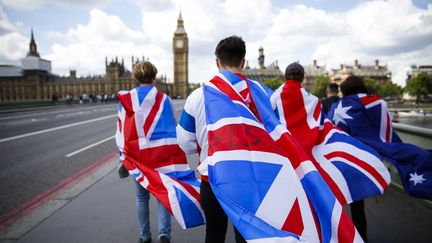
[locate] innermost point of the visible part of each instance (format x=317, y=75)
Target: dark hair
x=353, y=85
x=333, y=87
x=294, y=71
x=145, y=72
x=231, y=51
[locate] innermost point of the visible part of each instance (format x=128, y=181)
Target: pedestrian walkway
x=105, y=212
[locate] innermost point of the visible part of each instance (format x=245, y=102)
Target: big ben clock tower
x=180, y=49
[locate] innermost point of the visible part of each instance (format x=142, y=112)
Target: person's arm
x=186, y=128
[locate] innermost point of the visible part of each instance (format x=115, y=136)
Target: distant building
x=263, y=72
x=376, y=71
x=33, y=80
x=311, y=73
x=416, y=70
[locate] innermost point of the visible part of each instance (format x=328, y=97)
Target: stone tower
x=180, y=49
x=261, y=58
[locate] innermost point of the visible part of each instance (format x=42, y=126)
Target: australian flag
x=353, y=170
x=366, y=118
x=146, y=138
x=261, y=177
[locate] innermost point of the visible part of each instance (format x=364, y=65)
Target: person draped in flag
x=146, y=139
x=352, y=170
x=365, y=117
x=192, y=137
x=257, y=174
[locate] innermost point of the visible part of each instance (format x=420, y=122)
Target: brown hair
x=353, y=85
x=144, y=72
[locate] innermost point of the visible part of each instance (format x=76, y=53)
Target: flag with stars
x=352, y=170
x=366, y=117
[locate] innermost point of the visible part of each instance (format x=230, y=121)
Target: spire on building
x=32, y=47
x=180, y=26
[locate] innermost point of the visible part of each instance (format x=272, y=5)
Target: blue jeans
x=142, y=209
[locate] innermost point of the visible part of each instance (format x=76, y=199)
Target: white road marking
x=55, y=128
x=55, y=112
x=89, y=146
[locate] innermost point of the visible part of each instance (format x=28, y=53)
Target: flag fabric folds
x=261, y=177
x=146, y=138
x=366, y=118
x=353, y=170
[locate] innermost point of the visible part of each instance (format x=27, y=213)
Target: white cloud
x=86, y=46
x=13, y=45
x=395, y=32
x=28, y=5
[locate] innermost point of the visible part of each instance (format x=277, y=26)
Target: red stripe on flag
x=119, y=124
x=225, y=88
x=388, y=128
x=155, y=185
x=296, y=117
x=158, y=156
x=331, y=183
x=240, y=137
x=360, y=163
x=317, y=111
x=294, y=222
x=346, y=229
x=366, y=100
x=152, y=114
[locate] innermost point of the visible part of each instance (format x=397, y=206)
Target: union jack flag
x=260, y=176
x=353, y=170
x=366, y=118
x=146, y=138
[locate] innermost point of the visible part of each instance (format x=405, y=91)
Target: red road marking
x=10, y=217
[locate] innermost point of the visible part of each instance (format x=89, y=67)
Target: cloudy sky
x=79, y=34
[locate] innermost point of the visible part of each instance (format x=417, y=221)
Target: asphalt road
x=41, y=147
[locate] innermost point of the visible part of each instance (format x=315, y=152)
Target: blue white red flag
x=353, y=170
x=260, y=176
x=146, y=138
x=366, y=118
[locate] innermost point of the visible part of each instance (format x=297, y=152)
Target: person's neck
x=143, y=85
x=232, y=69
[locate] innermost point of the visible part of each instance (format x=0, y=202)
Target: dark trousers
x=359, y=218
x=216, y=219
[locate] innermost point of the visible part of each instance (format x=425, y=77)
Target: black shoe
x=145, y=241
x=164, y=239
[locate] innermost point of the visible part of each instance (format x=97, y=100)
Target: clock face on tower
x=179, y=43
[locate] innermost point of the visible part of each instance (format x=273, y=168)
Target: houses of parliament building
x=33, y=80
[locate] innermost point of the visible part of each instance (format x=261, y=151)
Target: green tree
x=385, y=90
x=320, y=86
x=390, y=89
x=419, y=85
x=373, y=85
x=273, y=83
